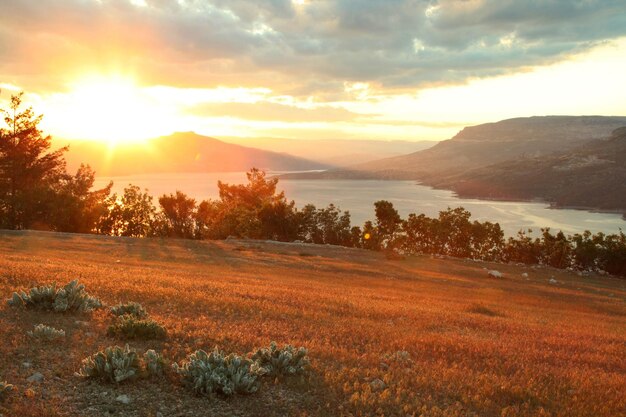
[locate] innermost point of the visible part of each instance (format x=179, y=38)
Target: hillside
x=491, y=143
x=592, y=175
x=557, y=158
x=181, y=152
x=422, y=336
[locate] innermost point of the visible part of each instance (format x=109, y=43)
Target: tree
x=131, y=215
x=35, y=189
x=28, y=169
x=177, y=216
x=326, y=226
x=72, y=206
x=388, y=223
x=255, y=210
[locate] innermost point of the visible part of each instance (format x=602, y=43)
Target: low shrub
x=133, y=309
x=273, y=361
x=5, y=390
x=154, y=363
x=113, y=364
x=46, y=333
x=129, y=327
x=71, y=298
x=215, y=373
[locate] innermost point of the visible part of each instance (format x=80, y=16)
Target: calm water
x=358, y=196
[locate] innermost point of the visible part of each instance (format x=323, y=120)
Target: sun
x=112, y=109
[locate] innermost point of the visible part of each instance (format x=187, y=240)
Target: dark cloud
x=306, y=49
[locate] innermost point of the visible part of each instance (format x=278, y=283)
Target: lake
x=358, y=197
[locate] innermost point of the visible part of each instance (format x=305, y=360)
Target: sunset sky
x=388, y=69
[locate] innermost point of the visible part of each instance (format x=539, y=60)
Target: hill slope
x=593, y=175
x=443, y=337
x=492, y=143
x=181, y=152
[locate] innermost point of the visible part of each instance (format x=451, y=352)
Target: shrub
x=72, y=297
x=130, y=327
x=286, y=361
x=154, y=363
x=215, y=373
x=5, y=390
x=133, y=309
x=114, y=364
x=47, y=333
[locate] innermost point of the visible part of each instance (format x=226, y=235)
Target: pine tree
x=28, y=169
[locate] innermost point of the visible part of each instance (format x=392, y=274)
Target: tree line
x=37, y=192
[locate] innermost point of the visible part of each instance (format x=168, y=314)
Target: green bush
x=273, y=361
x=129, y=327
x=71, y=298
x=133, y=309
x=215, y=373
x=154, y=363
x=5, y=390
x=47, y=333
x=114, y=364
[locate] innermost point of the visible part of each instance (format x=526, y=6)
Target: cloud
x=308, y=49
x=267, y=111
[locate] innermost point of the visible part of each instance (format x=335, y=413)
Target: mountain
x=181, y=152
x=491, y=143
x=590, y=176
x=567, y=160
x=340, y=153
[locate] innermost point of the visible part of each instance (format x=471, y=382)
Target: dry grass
x=477, y=346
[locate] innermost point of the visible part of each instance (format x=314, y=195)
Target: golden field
x=475, y=345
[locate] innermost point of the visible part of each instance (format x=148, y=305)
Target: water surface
x=358, y=197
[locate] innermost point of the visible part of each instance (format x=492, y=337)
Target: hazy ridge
x=517, y=159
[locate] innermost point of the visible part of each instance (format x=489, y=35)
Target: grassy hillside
x=475, y=345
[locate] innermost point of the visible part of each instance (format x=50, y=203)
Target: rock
x=553, y=281
x=124, y=399
x=159, y=414
x=377, y=385
x=26, y=365
x=494, y=274
x=36, y=377
x=525, y=275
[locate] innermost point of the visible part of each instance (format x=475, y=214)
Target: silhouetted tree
x=132, y=214
x=28, y=169
x=72, y=206
x=177, y=216
x=35, y=189
x=388, y=223
x=255, y=210
x=326, y=226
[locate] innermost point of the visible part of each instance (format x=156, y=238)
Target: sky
x=125, y=70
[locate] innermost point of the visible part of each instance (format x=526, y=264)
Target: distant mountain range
x=190, y=152
x=181, y=152
x=567, y=160
x=338, y=153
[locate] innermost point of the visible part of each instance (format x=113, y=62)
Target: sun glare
x=110, y=109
